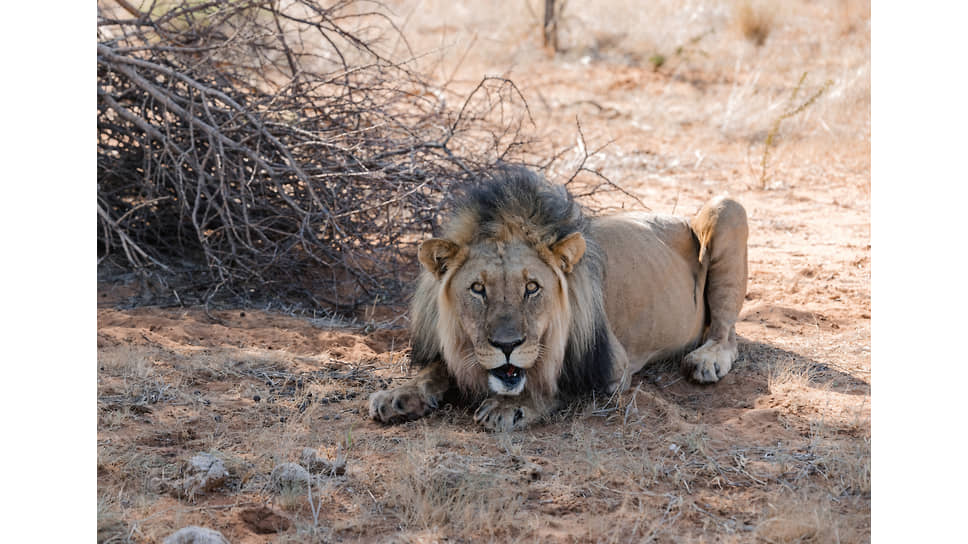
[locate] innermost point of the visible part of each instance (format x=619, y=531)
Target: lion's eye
x=477, y=288
x=531, y=288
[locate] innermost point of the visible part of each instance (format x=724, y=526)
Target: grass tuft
x=455, y=493
x=792, y=110
x=755, y=23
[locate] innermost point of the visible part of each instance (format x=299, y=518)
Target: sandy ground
x=778, y=451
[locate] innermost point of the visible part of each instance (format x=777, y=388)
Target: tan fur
x=661, y=274
x=461, y=350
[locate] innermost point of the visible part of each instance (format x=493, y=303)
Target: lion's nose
x=506, y=346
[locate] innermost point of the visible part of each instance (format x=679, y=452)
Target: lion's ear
x=437, y=255
x=569, y=250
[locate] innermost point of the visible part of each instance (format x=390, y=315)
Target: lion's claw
x=500, y=415
x=401, y=404
x=709, y=362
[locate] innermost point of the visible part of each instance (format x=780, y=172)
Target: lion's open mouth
x=509, y=374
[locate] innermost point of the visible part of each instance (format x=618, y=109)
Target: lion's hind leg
x=722, y=230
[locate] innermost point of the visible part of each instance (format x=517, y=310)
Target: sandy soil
x=778, y=451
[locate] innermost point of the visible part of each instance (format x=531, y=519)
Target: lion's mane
x=515, y=203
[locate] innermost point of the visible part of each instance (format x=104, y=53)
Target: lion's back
x=653, y=283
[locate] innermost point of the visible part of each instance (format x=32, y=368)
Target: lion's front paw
x=709, y=362
x=503, y=415
x=404, y=403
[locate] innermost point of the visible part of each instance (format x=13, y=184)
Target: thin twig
x=263, y=152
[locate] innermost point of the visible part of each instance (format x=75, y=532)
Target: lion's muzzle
x=506, y=347
x=507, y=380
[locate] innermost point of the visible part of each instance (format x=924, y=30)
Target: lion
x=526, y=301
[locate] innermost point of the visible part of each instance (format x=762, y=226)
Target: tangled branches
x=244, y=147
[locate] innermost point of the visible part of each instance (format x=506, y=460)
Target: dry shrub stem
x=790, y=112
x=602, y=181
x=260, y=150
x=549, y=29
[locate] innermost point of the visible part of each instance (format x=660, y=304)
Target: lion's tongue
x=509, y=374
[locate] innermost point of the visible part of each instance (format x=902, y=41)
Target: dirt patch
x=264, y=521
x=693, y=460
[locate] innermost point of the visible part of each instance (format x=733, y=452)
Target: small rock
x=204, y=473
x=196, y=535
x=210, y=468
x=319, y=465
x=530, y=470
x=289, y=476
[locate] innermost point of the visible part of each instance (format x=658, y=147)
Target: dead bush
x=254, y=149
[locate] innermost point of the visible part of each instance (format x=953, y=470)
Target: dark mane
x=591, y=370
x=516, y=199
x=513, y=192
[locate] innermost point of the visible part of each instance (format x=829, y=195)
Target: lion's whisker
x=469, y=361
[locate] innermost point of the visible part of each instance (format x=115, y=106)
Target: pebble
x=194, y=534
x=289, y=476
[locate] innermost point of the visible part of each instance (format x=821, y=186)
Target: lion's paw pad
x=710, y=362
x=498, y=415
x=400, y=404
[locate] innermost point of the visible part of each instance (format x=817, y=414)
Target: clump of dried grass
x=754, y=22
x=798, y=522
x=458, y=494
x=791, y=110
x=111, y=528
x=803, y=518
x=843, y=463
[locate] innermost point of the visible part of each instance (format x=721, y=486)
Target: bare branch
x=257, y=149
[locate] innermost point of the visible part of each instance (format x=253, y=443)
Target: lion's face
x=508, y=301
x=504, y=299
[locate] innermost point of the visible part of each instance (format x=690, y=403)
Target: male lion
x=525, y=300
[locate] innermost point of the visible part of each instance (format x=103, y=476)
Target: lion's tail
x=704, y=234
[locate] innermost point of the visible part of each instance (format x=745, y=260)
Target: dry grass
x=799, y=518
x=446, y=489
x=714, y=83
x=649, y=464
x=755, y=22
